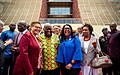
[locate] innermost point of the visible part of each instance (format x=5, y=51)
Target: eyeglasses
x=56, y=28
x=38, y=27
x=67, y=28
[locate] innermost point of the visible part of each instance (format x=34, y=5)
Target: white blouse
x=86, y=44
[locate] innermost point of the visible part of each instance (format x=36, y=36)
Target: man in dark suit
x=22, y=28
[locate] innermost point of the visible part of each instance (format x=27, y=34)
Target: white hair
x=47, y=24
x=22, y=22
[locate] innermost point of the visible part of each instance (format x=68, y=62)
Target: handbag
x=101, y=61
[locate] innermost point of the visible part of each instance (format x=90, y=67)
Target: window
x=60, y=0
x=60, y=11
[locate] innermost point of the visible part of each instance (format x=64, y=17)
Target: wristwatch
x=71, y=63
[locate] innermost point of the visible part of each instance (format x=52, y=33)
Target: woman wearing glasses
x=69, y=52
x=27, y=61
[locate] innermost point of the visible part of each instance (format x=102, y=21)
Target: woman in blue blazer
x=69, y=52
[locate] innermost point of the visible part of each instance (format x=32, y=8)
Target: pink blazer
x=27, y=61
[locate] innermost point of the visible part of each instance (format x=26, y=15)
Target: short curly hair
x=104, y=29
x=89, y=27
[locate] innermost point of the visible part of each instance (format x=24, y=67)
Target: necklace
x=86, y=39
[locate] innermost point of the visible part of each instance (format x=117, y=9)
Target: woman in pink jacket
x=27, y=61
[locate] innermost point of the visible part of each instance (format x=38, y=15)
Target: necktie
x=19, y=37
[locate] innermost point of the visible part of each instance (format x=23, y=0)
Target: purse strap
x=103, y=54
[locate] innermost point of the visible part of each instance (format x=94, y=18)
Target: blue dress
x=70, y=50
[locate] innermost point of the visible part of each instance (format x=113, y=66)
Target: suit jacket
x=90, y=55
x=17, y=41
x=15, y=44
x=27, y=61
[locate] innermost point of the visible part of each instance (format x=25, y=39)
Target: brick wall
x=75, y=10
x=43, y=12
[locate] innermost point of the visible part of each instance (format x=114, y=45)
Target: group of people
x=53, y=50
x=110, y=44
